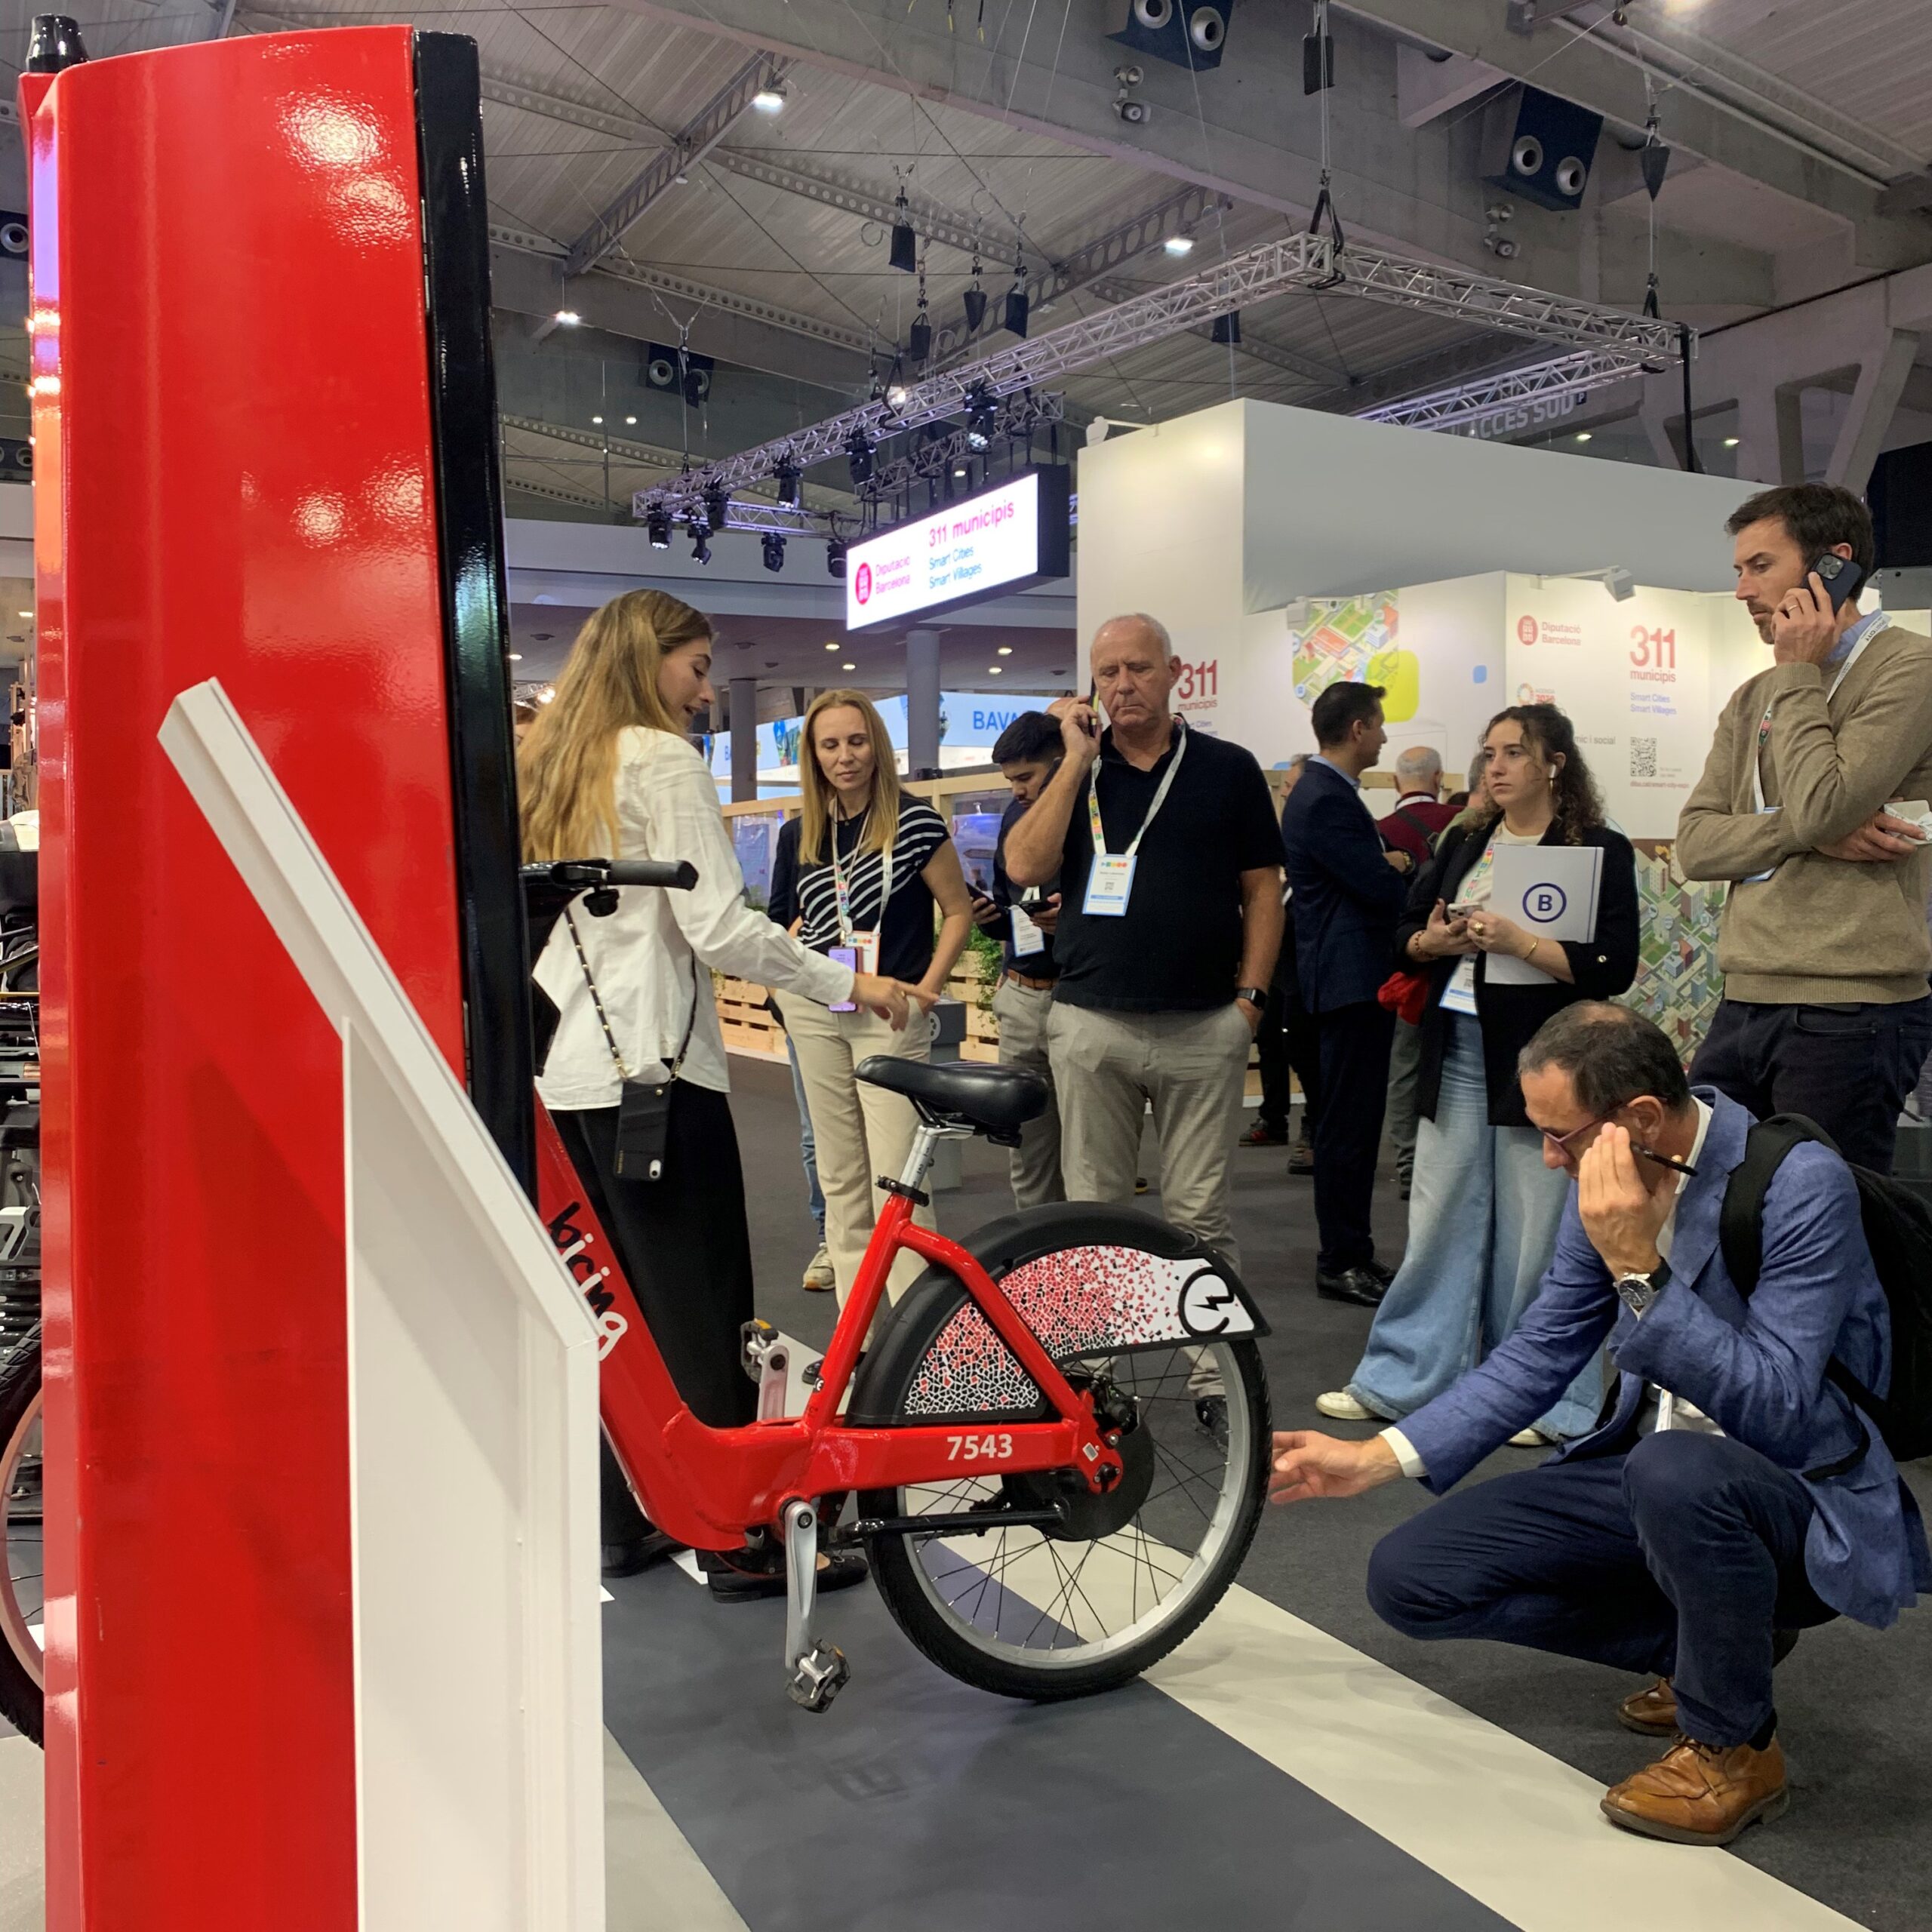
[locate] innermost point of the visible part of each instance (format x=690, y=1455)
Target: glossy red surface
x=233, y=442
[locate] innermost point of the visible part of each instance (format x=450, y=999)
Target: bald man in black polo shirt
x=1165, y=944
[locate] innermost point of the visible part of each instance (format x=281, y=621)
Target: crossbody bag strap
x=603, y=1019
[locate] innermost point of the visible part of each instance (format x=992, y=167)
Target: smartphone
x=1841, y=576
x=1093, y=706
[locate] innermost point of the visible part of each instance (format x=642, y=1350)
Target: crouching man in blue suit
x=1731, y=1497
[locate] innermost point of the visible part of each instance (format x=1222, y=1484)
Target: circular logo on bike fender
x=1208, y=1306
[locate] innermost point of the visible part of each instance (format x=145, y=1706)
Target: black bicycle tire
x=934, y=1634
x=21, y=1703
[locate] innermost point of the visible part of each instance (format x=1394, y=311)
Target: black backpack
x=1898, y=1229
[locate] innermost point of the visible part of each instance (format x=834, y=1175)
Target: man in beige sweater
x=1823, y=944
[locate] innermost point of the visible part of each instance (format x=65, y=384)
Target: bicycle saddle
x=997, y=1100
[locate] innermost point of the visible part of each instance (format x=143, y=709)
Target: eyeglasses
x=1561, y=1142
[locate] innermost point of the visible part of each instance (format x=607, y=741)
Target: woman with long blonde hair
x=608, y=769
x=857, y=876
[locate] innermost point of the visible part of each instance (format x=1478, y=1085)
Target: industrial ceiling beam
x=1245, y=131
x=693, y=141
x=1701, y=114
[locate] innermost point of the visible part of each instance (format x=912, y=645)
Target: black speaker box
x=663, y=370
x=1189, y=33
x=1540, y=146
x=1900, y=497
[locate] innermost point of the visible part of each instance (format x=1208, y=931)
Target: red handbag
x=1406, y=995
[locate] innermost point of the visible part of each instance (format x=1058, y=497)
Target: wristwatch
x=1637, y=1292
x=1254, y=995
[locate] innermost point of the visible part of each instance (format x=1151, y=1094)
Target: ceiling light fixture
x=772, y=545
x=701, y=544
x=632, y=420
x=1582, y=435
x=1179, y=244
x=1730, y=442
x=859, y=452
x=898, y=395
x=596, y=418
x=835, y=557
x=516, y=657
x=1004, y=650
x=567, y=318
x=848, y=667
x=831, y=644
x=717, y=507
x=786, y=476
x=770, y=99
x=993, y=670
x=657, y=527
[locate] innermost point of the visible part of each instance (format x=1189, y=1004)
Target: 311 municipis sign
x=1001, y=541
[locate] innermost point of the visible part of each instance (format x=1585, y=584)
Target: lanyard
x=1874, y=624
x=841, y=891
x=1160, y=797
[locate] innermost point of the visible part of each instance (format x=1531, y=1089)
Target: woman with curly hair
x=1483, y=1221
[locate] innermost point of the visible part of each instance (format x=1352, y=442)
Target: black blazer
x=1510, y=1015
x=1348, y=897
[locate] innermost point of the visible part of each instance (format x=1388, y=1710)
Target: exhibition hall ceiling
x=1799, y=129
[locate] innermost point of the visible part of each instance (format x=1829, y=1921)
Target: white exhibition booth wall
x=1285, y=550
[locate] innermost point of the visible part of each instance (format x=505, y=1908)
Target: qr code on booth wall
x=1643, y=758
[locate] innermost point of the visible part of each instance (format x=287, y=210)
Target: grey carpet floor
x=1855, y=1705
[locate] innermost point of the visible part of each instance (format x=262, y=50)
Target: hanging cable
x=1318, y=78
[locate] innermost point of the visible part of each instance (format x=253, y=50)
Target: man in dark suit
x=1349, y=893
x=1732, y=1495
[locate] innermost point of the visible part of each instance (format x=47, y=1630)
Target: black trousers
x=1286, y=1040
x=683, y=1244
x=1847, y=1067
x=1353, y=1091
x=1680, y=1559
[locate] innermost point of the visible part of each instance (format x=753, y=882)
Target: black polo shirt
x=1178, y=946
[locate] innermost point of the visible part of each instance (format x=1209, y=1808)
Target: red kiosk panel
x=235, y=413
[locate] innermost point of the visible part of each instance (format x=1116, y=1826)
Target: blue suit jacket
x=1757, y=1369
x=1347, y=897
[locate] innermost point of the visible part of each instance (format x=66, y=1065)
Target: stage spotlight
x=786, y=476
x=657, y=527
x=859, y=450
x=899, y=395
x=1621, y=583
x=835, y=557
x=701, y=544
x=717, y=507
x=982, y=416
x=773, y=545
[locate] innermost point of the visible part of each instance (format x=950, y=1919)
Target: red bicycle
x=1049, y=1501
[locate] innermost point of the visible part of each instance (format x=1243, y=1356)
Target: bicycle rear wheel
x=1049, y=1613
x=21, y=1565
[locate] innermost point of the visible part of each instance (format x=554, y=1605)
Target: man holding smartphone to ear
x=1028, y=755
x=1823, y=944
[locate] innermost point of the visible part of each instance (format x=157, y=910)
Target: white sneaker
x=1342, y=1406
x=820, y=1276
x=1531, y=1438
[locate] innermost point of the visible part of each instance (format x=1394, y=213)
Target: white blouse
x=648, y=955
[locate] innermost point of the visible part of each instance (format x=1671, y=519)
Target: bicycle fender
x=1087, y=1278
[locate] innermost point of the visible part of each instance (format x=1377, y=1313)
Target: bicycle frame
x=708, y=1486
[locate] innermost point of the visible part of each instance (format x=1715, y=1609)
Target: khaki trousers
x=1023, y=1013
x=861, y=1131
x=1109, y=1068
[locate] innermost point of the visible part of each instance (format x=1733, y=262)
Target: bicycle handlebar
x=587, y=875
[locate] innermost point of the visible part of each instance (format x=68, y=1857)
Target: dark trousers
x=1352, y=1090
x=1286, y=1040
x=1679, y=1559
x=684, y=1245
x=1847, y=1067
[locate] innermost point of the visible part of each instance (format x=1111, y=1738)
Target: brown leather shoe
x=1701, y=1794
x=1652, y=1711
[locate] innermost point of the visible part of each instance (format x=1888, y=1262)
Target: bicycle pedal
x=818, y=1677
x=813, y=1372
x=755, y=1338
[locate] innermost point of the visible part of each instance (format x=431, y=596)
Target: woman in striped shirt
x=857, y=876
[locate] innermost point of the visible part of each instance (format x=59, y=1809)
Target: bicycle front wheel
x=1049, y=1614
x=22, y=1562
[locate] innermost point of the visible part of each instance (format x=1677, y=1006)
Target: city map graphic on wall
x=1678, y=983
x=1353, y=639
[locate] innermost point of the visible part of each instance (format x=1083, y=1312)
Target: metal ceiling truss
x=1088, y=263
x=1465, y=404
x=1296, y=261
x=694, y=140
x=621, y=268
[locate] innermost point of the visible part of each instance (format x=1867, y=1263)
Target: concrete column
x=1881, y=380
x=744, y=739
x=1770, y=434
x=921, y=701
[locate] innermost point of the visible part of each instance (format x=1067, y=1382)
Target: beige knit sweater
x=1819, y=930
